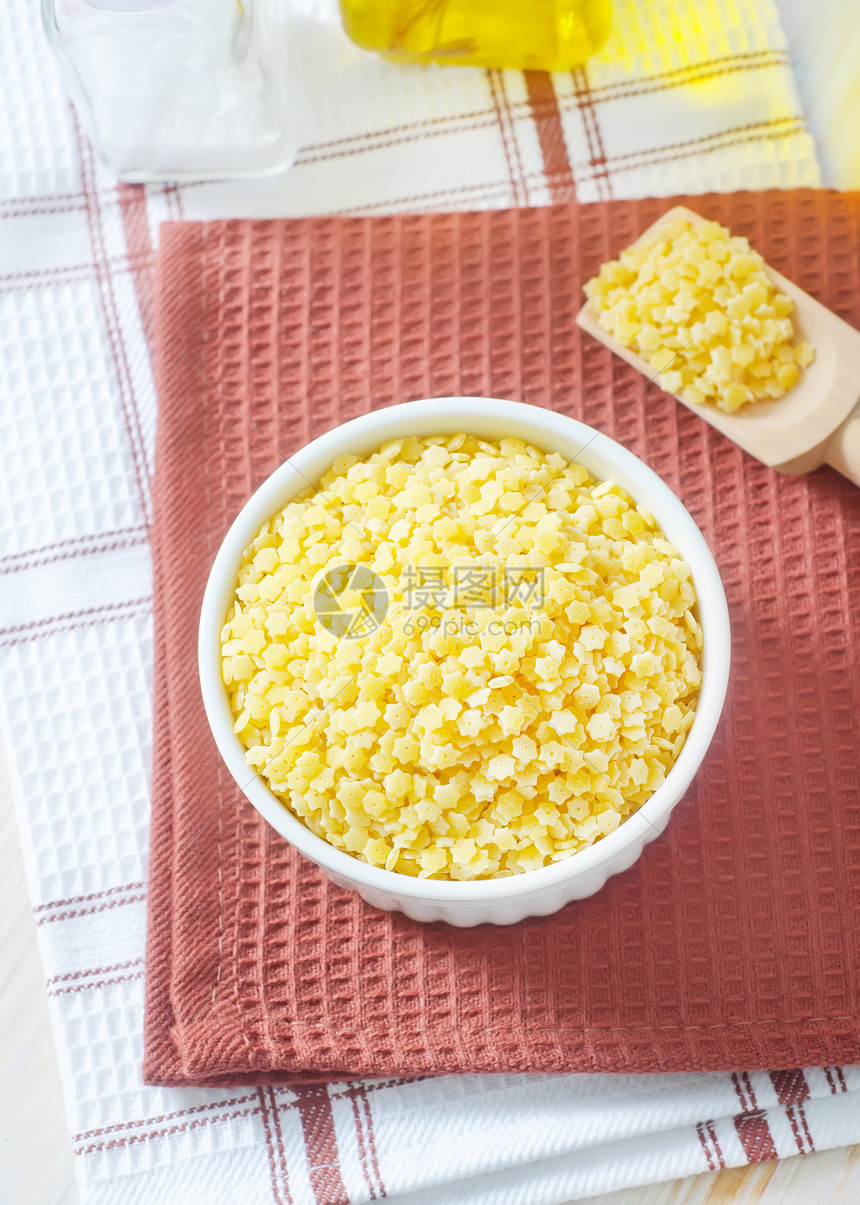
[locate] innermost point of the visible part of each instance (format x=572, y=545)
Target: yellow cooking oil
x=548, y=35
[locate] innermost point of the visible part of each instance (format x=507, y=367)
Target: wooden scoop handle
x=843, y=448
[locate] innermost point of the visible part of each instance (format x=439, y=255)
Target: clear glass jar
x=180, y=89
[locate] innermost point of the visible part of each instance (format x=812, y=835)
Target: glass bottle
x=179, y=89
x=550, y=35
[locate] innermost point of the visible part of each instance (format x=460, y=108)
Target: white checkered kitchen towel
x=713, y=109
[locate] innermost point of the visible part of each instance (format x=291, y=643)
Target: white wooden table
x=35, y=1148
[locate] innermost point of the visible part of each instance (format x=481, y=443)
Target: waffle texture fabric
x=732, y=943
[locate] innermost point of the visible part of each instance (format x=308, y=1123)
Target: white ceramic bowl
x=536, y=892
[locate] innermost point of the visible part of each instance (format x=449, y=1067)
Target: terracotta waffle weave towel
x=734, y=943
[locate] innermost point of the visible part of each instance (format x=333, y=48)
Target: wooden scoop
x=815, y=422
